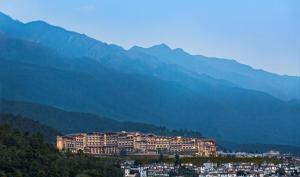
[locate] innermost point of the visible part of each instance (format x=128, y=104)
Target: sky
x=264, y=34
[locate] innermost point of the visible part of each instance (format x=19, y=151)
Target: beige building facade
x=118, y=143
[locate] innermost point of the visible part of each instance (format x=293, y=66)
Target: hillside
x=28, y=155
x=30, y=127
x=44, y=113
x=74, y=122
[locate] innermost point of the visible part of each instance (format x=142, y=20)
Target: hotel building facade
x=116, y=143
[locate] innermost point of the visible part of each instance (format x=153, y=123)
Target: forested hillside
x=29, y=126
x=24, y=155
x=73, y=122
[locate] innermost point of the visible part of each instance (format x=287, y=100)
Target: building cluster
x=115, y=143
x=270, y=154
x=248, y=169
x=209, y=169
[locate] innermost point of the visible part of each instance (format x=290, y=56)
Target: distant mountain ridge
x=136, y=86
x=284, y=87
x=75, y=45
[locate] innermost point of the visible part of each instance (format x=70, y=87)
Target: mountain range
x=221, y=98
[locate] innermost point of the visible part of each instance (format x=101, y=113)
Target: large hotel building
x=116, y=143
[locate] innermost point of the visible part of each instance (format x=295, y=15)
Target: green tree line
x=23, y=154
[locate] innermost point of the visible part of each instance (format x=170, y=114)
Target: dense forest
x=24, y=154
x=29, y=126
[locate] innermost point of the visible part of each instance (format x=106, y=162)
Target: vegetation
x=280, y=172
x=161, y=157
x=27, y=155
x=183, y=171
x=29, y=126
x=241, y=173
x=177, y=160
x=199, y=160
x=70, y=122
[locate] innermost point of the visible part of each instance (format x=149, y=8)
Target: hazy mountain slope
x=284, y=87
x=62, y=41
x=82, y=84
x=71, y=44
x=151, y=61
x=71, y=122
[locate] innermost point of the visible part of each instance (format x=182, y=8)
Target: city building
x=118, y=143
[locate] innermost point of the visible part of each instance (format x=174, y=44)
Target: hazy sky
x=262, y=33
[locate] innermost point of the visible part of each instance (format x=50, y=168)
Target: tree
x=161, y=157
x=177, y=160
x=138, y=162
x=295, y=173
x=280, y=172
x=240, y=173
x=29, y=155
x=80, y=152
x=186, y=172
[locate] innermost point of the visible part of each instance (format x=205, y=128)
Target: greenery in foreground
x=200, y=160
x=29, y=126
x=25, y=155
